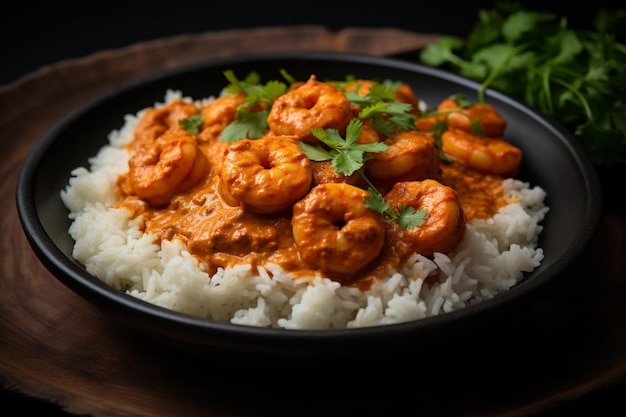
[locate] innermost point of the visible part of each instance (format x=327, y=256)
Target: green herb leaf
x=388, y=115
x=247, y=124
x=406, y=217
x=249, y=121
x=442, y=51
x=409, y=218
x=192, y=124
x=346, y=154
x=316, y=152
x=438, y=129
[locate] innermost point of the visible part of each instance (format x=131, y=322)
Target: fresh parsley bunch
x=577, y=77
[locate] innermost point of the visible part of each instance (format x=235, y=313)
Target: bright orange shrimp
x=404, y=93
x=313, y=104
x=411, y=156
x=444, y=226
x=457, y=117
x=323, y=172
x=218, y=114
x=368, y=133
x=171, y=164
x=156, y=120
x=265, y=175
x=333, y=229
x=488, y=155
x=492, y=122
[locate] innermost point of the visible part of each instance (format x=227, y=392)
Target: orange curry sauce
x=220, y=234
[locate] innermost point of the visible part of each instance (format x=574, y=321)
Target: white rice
x=493, y=256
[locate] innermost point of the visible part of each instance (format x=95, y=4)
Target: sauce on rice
x=160, y=247
x=222, y=234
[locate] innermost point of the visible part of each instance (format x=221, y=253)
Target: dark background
x=37, y=33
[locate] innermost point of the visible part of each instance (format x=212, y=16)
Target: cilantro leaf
x=191, y=124
x=316, y=152
x=377, y=203
x=246, y=125
x=251, y=116
x=388, y=115
x=347, y=155
x=406, y=217
x=409, y=218
x=442, y=52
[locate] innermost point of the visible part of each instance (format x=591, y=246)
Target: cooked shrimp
x=313, y=104
x=171, y=164
x=156, y=120
x=444, y=226
x=411, y=155
x=404, y=93
x=368, y=133
x=265, y=175
x=323, y=172
x=218, y=114
x=333, y=229
x=492, y=123
x=488, y=155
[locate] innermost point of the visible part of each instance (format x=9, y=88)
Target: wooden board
x=57, y=347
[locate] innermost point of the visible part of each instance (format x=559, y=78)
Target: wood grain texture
x=56, y=346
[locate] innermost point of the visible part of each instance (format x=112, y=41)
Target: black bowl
x=552, y=160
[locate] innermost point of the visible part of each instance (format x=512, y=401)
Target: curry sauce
x=205, y=210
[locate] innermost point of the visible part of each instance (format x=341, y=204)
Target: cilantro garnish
x=438, y=129
x=191, y=124
x=251, y=116
x=407, y=217
x=347, y=156
x=388, y=115
x=247, y=124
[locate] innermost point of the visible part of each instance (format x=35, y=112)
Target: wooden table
x=57, y=347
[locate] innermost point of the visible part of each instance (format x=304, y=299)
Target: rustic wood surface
x=56, y=347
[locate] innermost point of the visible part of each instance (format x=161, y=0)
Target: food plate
x=552, y=160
